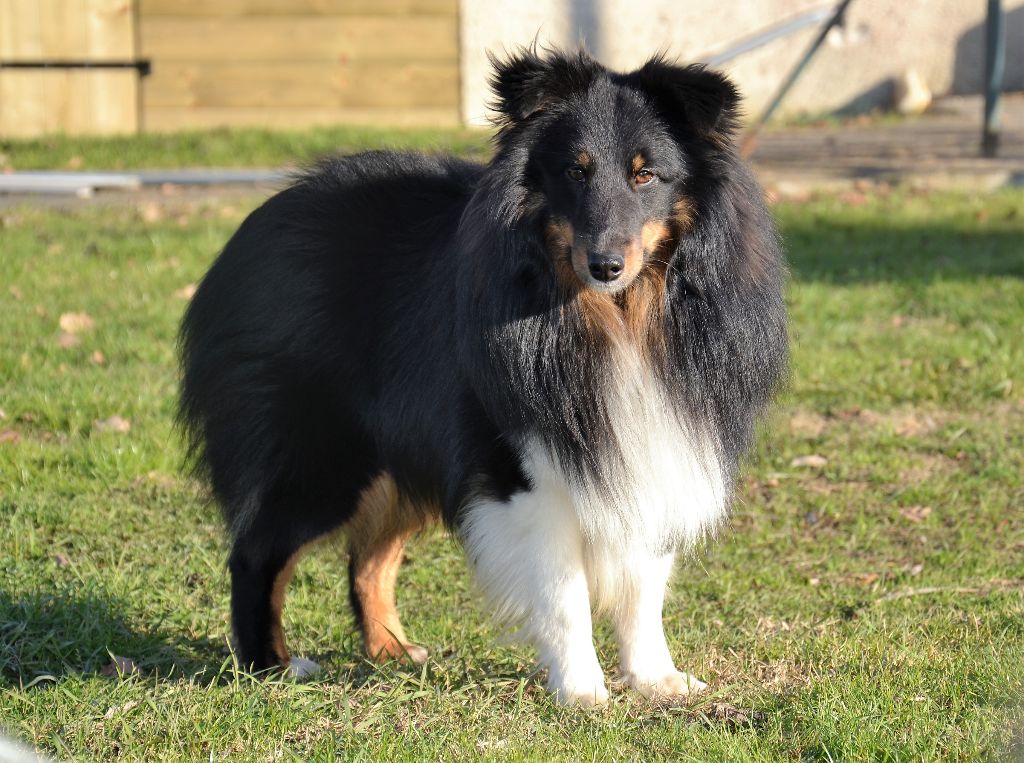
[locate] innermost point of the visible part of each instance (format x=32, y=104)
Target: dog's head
x=610, y=157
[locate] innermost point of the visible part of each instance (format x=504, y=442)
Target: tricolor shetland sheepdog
x=561, y=353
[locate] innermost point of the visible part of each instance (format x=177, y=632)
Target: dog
x=561, y=353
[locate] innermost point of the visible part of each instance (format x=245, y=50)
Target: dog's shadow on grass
x=821, y=249
x=51, y=635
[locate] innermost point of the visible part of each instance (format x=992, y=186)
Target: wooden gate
x=68, y=66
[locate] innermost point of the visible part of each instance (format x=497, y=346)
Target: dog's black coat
x=397, y=313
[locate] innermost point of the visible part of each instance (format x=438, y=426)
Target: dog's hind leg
x=261, y=565
x=643, y=652
x=268, y=543
x=377, y=534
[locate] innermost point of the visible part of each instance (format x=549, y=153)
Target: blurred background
x=123, y=66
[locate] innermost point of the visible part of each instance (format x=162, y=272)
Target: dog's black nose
x=606, y=267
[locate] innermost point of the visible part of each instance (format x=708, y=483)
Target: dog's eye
x=643, y=177
x=576, y=173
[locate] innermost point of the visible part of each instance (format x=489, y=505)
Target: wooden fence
x=72, y=100
x=276, y=63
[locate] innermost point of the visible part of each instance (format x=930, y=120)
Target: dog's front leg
x=643, y=652
x=528, y=558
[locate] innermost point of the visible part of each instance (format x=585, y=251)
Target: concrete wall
x=942, y=39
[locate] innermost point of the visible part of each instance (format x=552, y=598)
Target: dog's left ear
x=705, y=99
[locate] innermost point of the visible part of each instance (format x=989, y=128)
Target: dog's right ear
x=525, y=83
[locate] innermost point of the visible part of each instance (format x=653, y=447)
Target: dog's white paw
x=670, y=686
x=417, y=654
x=301, y=669
x=585, y=690
x=579, y=695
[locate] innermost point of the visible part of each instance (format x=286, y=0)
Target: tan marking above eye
x=639, y=162
x=583, y=159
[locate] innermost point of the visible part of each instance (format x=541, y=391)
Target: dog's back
x=298, y=332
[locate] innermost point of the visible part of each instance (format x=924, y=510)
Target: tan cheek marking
x=570, y=260
x=560, y=237
x=634, y=255
x=653, y=233
x=682, y=213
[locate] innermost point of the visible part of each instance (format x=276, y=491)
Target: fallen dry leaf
x=114, y=710
x=76, y=323
x=151, y=212
x=9, y=435
x=112, y=424
x=60, y=560
x=807, y=424
x=3, y=413
x=722, y=713
x=186, y=292
x=124, y=666
x=812, y=460
x=916, y=513
x=98, y=358
x=67, y=340
x=15, y=292
x=75, y=162
x=913, y=425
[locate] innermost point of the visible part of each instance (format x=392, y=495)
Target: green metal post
x=995, y=63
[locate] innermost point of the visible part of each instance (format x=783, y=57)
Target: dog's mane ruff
x=718, y=346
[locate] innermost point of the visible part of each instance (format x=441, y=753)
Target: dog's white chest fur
x=545, y=556
x=666, y=491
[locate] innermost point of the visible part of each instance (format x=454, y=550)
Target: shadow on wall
x=878, y=96
x=968, y=68
x=586, y=20
x=969, y=61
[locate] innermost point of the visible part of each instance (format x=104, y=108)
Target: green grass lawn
x=871, y=608
x=237, y=147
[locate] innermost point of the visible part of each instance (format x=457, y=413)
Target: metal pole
x=837, y=17
x=995, y=63
x=769, y=35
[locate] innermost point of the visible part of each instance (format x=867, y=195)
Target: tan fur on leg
x=276, y=604
x=376, y=540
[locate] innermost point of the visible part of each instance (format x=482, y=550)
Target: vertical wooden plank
x=34, y=102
